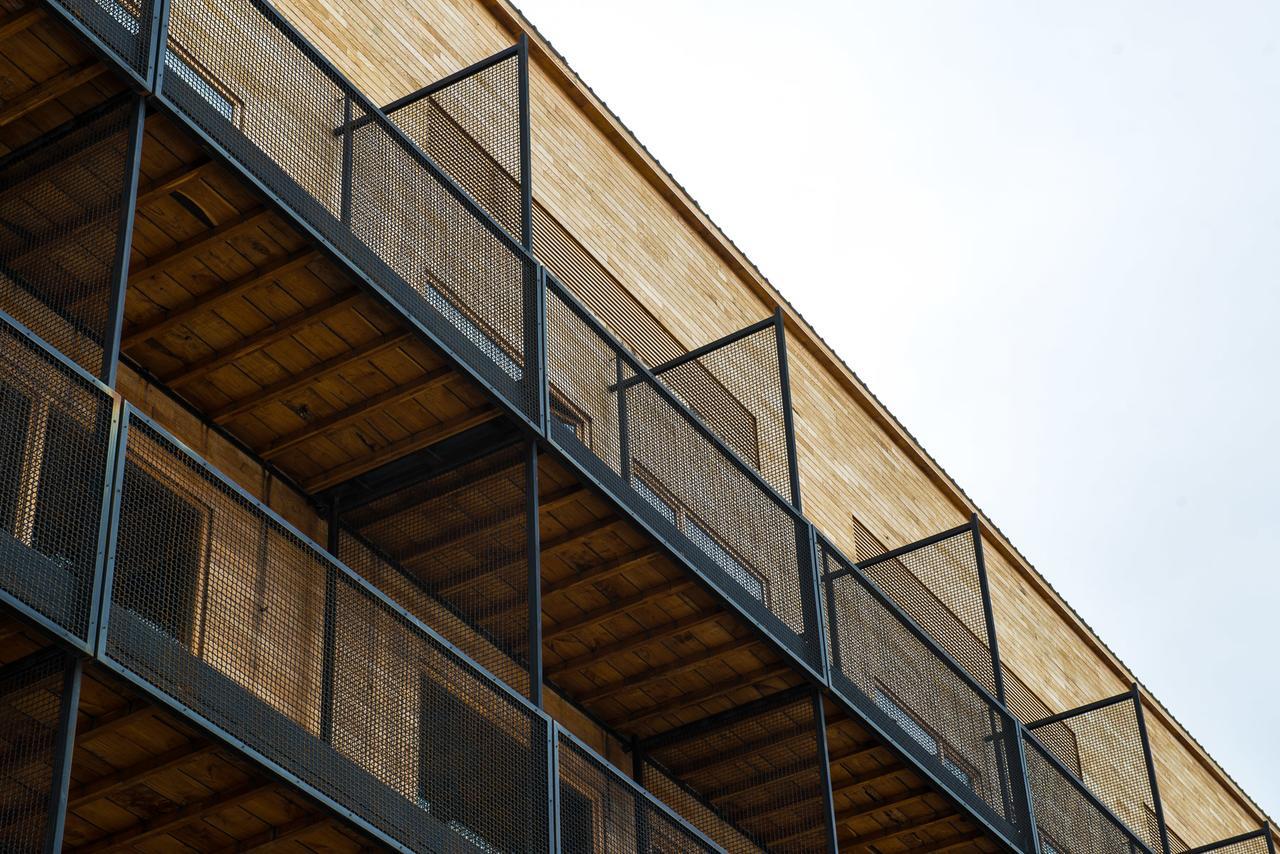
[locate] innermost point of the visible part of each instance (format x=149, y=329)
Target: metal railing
x=371, y=196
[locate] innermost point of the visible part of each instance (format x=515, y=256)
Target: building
x=429, y=477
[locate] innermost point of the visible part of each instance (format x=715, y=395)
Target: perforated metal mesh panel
x=736, y=390
x=428, y=249
x=1069, y=821
x=721, y=518
x=55, y=432
x=452, y=549
x=471, y=128
x=903, y=685
x=601, y=812
x=218, y=605
x=1108, y=752
x=59, y=225
x=124, y=27
x=752, y=785
x=1258, y=842
x=937, y=586
x=30, y=700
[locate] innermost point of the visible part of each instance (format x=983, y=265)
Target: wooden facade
x=246, y=339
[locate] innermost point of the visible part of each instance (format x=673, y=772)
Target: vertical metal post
x=824, y=770
x=997, y=672
x=643, y=832
x=1024, y=776
x=64, y=748
x=1267, y=835
x=553, y=784
x=158, y=45
x=99, y=643
x=624, y=431
x=788, y=416
x=526, y=145
x=348, y=155
x=329, y=653
x=1151, y=767
x=534, y=593
x=808, y=542
x=124, y=242
x=104, y=526
x=833, y=623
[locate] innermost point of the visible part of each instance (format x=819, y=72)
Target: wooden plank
x=341, y=418
x=56, y=86
x=604, y=572
x=273, y=836
x=105, y=787
x=634, y=642
x=159, y=825
x=619, y=606
x=911, y=826
x=398, y=449
x=265, y=337
x=679, y=704
x=20, y=21
x=296, y=382
x=681, y=665
x=193, y=246
x=209, y=300
x=156, y=190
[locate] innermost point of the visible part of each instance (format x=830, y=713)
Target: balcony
x=518, y=513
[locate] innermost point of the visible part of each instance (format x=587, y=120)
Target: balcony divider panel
x=887, y=668
x=57, y=428
x=1260, y=841
x=644, y=448
x=217, y=607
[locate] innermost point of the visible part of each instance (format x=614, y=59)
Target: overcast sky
x=1047, y=235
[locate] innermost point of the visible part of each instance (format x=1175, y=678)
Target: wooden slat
x=194, y=245
x=119, y=781
x=634, y=642
x=712, y=692
x=681, y=665
x=19, y=21
x=273, y=836
x=54, y=87
x=296, y=382
x=209, y=300
x=183, y=175
x=363, y=409
x=161, y=824
x=951, y=843
x=398, y=449
x=266, y=337
x=865, y=810
x=604, y=572
x=911, y=826
x=620, y=606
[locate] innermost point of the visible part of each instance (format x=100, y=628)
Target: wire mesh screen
x=452, y=549
x=223, y=608
x=737, y=533
x=752, y=785
x=602, y=812
x=1112, y=762
x=262, y=93
x=31, y=691
x=1068, y=819
x=471, y=128
x=736, y=390
x=122, y=26
x=59, y=226
x=931, y=711
x=936, y=584
x=55, y=433
x=1258, y=842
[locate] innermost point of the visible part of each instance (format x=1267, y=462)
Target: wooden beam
x=288, y=832
x=185, y=174
x=679, y=704
x=343, y=417
x=865, y=810
x=398, y=449
x=634, y=642
x=46, y=91
x=911, y=826
x=619, y=606
x=127, y=839
x=553, y=501
x=125, y=778
x=681, y=665
x=188, y=248
x=20, y=21
x=805, y=733
x=603, y=572
x=858, y=785
x=109, y=722
x=964, y=840
x=596, y=526
x=302, y=379
x=211, y=299
x=266, y=337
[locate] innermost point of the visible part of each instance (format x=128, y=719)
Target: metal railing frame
x=539, y=282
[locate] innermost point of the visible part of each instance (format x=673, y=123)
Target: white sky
x=1047, y=235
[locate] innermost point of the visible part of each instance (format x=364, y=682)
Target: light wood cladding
x=596, y=179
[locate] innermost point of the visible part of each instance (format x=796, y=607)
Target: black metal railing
x=1260, y=841
x=890, y=669
x=629, y=433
